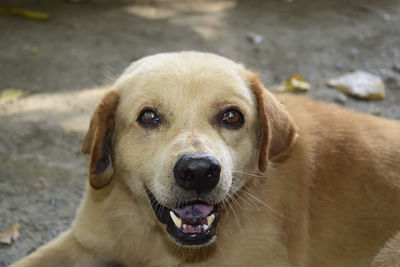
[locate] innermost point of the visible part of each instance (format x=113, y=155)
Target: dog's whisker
x=247, y=201
x=234, y=214
x=251, y=196
x=160, y=202
x=236, y=203
x=249, y=173
x=227, y=210
x=263, y=203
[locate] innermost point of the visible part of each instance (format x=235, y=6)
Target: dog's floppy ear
x=278, y=128
x=98, y=141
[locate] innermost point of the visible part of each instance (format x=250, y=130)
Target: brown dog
x=194, y=162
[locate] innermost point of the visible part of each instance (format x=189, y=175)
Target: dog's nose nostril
x=198, y=172
x=213, y=172
x=187, y=175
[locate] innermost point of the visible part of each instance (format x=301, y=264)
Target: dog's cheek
x=243, y=148
x=237, y=152
x=130, y=157
x=245, y=158
x=145, y=161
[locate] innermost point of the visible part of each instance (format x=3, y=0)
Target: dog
x=194, y=163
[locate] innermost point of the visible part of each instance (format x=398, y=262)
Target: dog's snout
x=198, y=172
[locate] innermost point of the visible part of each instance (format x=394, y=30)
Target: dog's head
x=185, y=129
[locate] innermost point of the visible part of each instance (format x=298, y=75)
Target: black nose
x=198, y=172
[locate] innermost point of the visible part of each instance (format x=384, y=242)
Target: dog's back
x=354, y=189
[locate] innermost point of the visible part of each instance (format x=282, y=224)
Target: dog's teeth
x=177, y=221
x=184, y=226
x=205, y=227
x=210, y=219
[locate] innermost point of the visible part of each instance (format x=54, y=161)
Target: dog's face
x=184, y=129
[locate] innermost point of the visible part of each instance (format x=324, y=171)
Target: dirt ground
x=87, y=43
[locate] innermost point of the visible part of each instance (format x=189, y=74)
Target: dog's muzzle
x=192, y=222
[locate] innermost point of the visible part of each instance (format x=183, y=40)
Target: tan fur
x=329, y=196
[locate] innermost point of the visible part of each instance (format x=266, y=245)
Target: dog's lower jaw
x=192, y=231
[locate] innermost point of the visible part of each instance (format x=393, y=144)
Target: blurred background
x=53, y=53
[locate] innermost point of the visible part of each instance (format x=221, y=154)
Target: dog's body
x=330, y=195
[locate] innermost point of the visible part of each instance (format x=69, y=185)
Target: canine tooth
x=177, y=221
x=205, y=227
x=184, y=226
x=210, y=219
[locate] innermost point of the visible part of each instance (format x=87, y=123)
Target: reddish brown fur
x=101, y=124
x=279, y=130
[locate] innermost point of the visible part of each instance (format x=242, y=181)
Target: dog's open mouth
x=192, y=223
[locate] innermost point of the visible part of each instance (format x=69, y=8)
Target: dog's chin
x=191, y=224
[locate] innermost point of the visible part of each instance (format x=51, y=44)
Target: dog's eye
x=232, y=118
x=149, y=118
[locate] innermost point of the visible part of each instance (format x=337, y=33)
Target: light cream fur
x=389, y=255
x=330, y=194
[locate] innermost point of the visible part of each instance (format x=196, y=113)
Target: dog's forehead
x=182, y=76
x=179, y=62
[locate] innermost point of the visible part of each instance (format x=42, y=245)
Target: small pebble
x=53, y=233
x=354, y=51
x=53, y=202
x=339, y=65
x=254, y=38
x=387, y=17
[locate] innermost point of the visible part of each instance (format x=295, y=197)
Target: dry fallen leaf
x=11, y=234
x=295, y=83
x=360, y=84
x=41, y=185
x=29, y=14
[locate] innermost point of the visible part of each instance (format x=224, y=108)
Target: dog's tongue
x=194, y=211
